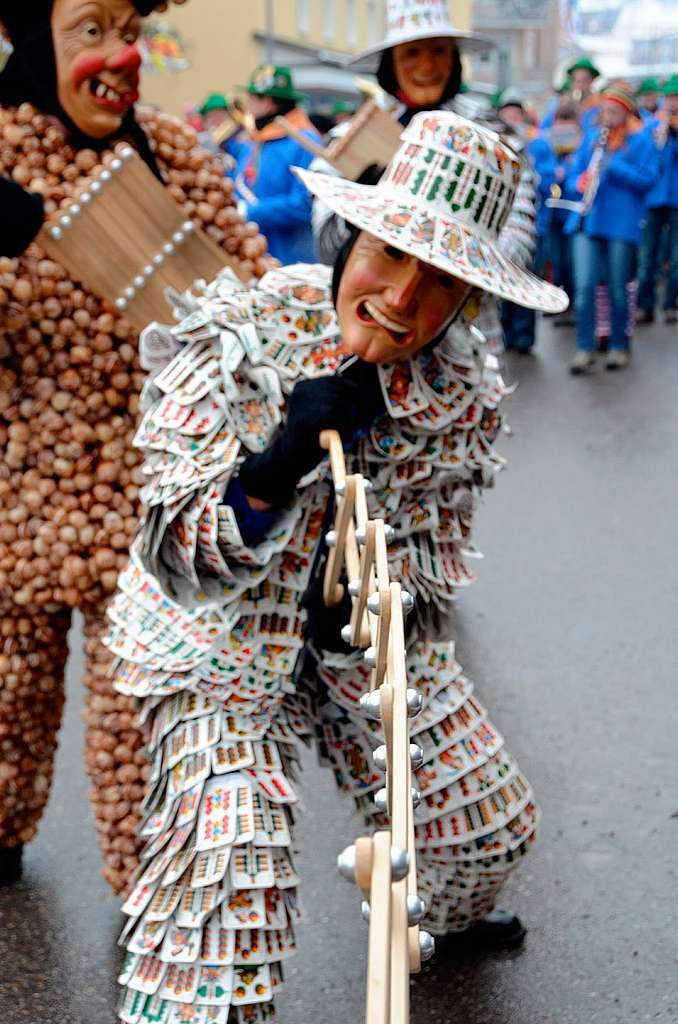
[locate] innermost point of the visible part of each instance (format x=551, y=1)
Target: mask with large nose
x=97, y=62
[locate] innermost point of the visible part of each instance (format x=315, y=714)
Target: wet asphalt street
x=570, y=634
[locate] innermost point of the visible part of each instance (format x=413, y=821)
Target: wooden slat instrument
x=127, y=240
x=372, y=138
x=384, y=865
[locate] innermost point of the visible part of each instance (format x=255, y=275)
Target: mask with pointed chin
x=98, y=62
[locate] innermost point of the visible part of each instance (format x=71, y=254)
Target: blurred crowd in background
x=605, y=163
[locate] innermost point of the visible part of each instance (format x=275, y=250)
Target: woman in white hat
x=243, y=659
x=418, y=63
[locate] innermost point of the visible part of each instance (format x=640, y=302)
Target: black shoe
x=645, y=316
x=500, y=929
x=11, y=867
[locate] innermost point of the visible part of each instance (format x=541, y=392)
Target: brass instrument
x=583, y=206
x=236, y=118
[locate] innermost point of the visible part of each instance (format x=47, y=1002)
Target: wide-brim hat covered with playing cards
x=444, y=198
x=409, y=20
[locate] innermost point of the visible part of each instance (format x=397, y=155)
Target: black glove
x=345, y=403
x=22, y=215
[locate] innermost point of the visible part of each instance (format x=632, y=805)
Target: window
x=304, y=17
x=351, y=25
x=373, y=28
x=329, y=20
x=530, y=49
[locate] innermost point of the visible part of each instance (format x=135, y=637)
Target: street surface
x=570, y=634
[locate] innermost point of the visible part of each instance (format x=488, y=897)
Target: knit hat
x=409, y=20
x=215, y=101
x=621, y=92
x=274, y=81
x=583, y=64
x=670, y=87
x=444, y=198
x=648, y=85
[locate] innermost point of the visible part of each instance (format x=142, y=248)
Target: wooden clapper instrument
x=127, y=240
x=384, y=865
x=372, y=137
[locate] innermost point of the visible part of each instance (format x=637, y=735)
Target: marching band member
x=647, y=95
x=519, y=324
x=578, y=86
x=237, y=656
x=270, y=193
x=582, y=74
x=613, y=171
x=662, y=214
x=564, y=137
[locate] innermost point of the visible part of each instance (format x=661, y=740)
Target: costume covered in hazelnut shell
x=69, y=478
x=210, y=637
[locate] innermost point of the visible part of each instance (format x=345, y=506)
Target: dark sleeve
x=251, y=523
x=21, y=216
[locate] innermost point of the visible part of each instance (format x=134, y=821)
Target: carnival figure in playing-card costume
x=219, y=623
x=69, y=385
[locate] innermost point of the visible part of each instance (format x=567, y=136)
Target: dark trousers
x=659, y=219
x=561, y=257
x=517, y=323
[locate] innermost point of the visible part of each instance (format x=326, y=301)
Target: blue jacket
x=283, y=205
x=626, y=177
x=665, y=191
x=587, y=118
x=543, y=160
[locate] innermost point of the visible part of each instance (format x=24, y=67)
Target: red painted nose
x=127, y=60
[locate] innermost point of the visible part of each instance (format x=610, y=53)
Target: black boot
x=11, y=867
x=500, y=929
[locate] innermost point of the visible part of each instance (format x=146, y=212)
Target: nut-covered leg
x=115, y=758
x=33, y=651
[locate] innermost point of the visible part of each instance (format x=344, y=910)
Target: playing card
x=197, y=904
x=244, y=909
x=210, y=867
x=218, y=943
x=180, y=983
x=273, y=785
x=226, y=813
x=147, y=974
x=251, y=984
x=181, y=945
x=402, y=394
x=251, y=868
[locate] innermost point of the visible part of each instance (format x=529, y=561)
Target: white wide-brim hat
x=409, y=20
x=444, y=198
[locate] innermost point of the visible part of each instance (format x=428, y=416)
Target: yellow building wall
x=221, y=46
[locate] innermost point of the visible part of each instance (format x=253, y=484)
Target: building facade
x=223, y=40
x=527, y=35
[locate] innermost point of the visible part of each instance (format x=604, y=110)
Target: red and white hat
x=444, y=198
x=409, y=20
